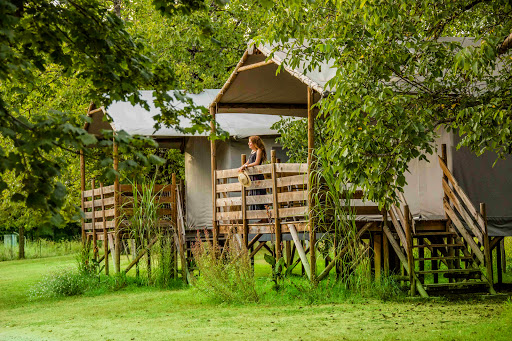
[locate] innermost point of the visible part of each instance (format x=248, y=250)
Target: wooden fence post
x=245, y=227
x=410, y=259
x=82, y=189
x=105, y=235
x=487, y=249
x=94, y=236
x=311, y=147
x=277, y=222
x=117, y=199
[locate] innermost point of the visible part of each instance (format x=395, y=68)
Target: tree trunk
x=117, y=7
x=21, y=243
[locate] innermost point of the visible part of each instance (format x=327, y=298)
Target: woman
x=258, y=156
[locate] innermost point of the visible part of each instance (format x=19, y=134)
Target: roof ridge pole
x=213, y=110
x=311, y=147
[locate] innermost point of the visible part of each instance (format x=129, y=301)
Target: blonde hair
x=258, y=142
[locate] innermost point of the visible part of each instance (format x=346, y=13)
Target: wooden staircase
x=454, y=258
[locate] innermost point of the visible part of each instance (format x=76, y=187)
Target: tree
x=46, y=45
x=398, y=81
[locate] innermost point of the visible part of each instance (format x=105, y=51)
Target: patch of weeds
x=227, y=275
x=61, y=283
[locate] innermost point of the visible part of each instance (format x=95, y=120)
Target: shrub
x=63, y=282
x=227, y=275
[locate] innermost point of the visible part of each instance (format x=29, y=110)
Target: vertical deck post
x=277, y=222
x=487, y=249
x=93, y=213
x=104, y=225
x=214, y=176
x=117, y=237
x=245, y=227
x=449, y=240
x=377, y=250
x=82, y=189
x=498, y=263
x=385, y=245
x=410, y=260
x=311, y=147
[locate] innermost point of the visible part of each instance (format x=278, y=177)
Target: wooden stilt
x=288, y=250
x=94, y=235
x=487, y=250
x=410, y=259
x=503, y=256
x=214, y=177
x=385, y=245
x=311, y=147
x=498, y=263
x=104, y=226
x=245, y=227
x=277, y=221
x=377, y=251
x=117, y=244
x=421, y=254
x=82, y=189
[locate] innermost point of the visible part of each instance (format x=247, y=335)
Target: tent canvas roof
x=136, y=120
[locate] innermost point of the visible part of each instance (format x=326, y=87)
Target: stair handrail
x=464, y=207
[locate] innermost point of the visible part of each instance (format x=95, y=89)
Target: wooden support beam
x=254, y=240
x=311, y=147
x=105, y=237
x=230, y=80
x=340, y=254
x=385, y=245
x=255, y=65
x=214, y=178
x=82, y=189
x=410, y=259
x=277, y=106
x=275, y=205
x=117, y=205
x=141, y=254
x=245, y=227
x=255, y=251
x=288, y=251
x=487, y=250
x=498, y=263
x=94, y=236
x=300, y=250
x=377, y=251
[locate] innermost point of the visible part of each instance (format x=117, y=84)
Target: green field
x=142, y=313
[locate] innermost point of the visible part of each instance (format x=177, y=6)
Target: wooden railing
x=285, y=194
x=102, y=208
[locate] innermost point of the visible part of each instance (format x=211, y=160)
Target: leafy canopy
x=398, y=81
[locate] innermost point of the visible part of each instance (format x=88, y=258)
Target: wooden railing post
x=487, y=249
x=82, y=189
x=410, y=259
x=213, y=160
x=104, y=225
x=117, y=199
x=311, y=147
x=385, y=244
x=94, y=236
x=245, y=227
x=277, y=222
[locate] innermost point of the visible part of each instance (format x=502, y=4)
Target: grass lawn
x=141, y=313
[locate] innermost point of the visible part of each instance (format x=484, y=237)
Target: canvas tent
x=256, y=87
x=136, y=120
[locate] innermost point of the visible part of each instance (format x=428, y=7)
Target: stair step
x=439, y=245
x=444, y=257
x=448, y=271
x=455, y=285
x=434, y=234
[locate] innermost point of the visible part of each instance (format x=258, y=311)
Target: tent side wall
x=484, y=183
